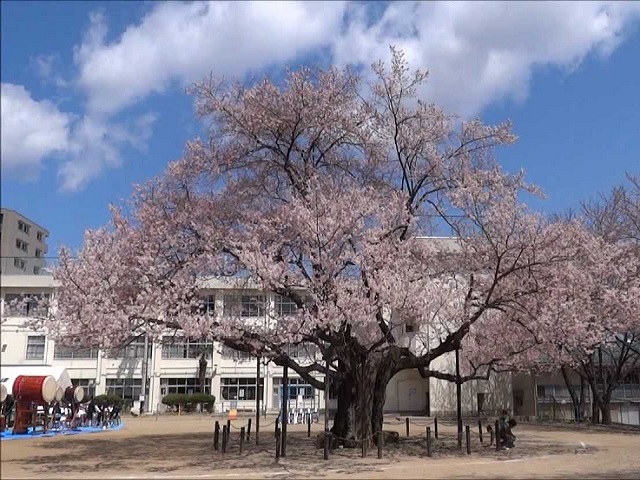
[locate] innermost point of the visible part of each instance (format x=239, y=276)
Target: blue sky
x=93, y=92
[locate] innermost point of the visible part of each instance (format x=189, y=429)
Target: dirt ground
x=182, y=447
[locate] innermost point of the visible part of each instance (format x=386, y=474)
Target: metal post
x=277, y=444
x=241, y=439
x=285, y=411
x=309, y=425
x=248, y=429
x=216, y=435
x=480, y=429
x=428, y=441
x=407, y=425
x=257, y=401
x=435, y=427
x=497, y=435
x=277, y=425
x=380, y=440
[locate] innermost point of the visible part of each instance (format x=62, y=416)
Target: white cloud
x=480, y=52
x=31, y=131
x=182, y=42
x=477, y=53
x=96, y=144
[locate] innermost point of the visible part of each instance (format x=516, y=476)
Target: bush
x=107, y=401
x=189, y=402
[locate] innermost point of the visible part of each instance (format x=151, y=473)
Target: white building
x=230, y=375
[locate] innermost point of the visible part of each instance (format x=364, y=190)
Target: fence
x=227, y=434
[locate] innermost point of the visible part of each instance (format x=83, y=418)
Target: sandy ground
x=182, y=447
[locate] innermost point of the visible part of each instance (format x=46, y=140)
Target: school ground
x=182, y=447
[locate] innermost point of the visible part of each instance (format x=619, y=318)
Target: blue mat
x=8, y=435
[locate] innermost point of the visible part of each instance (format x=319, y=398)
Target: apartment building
x=23, y=244
x=174, y=364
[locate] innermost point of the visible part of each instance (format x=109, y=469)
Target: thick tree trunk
x=361, y=398
x=605, y=410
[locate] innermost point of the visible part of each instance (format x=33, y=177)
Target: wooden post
x=467, y=431
x=216, y=436
x=309, y=425
x=497, y=436
x=407, y=425
x=380, y=440
x=224, y=439
x=248, y=429
x=435, y=427
x=480, y=429
x=327, y=440
x=428, y=441
x=277, y=444
x=241, y=439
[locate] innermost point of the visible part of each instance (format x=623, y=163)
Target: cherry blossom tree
x=331, y=193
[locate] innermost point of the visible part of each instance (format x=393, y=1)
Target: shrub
x=107, y=401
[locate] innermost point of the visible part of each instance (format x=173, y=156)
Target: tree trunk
x=572, y=393
x=202, y=371
x=605, y=409
x=361, y=397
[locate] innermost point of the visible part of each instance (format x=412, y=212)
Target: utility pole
x=145, y=368
x=458, y=397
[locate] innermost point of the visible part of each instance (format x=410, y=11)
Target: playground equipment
x=31, y=392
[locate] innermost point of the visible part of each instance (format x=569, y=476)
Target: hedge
x=182, y=400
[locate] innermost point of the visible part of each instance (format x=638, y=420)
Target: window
x=15, y=304
x=240, y=388
x=62, y=352
x=38, y=253
x=303, y=350
x=36, y=270
x=183, y=385
x=178, y=347
x=89, y=385
x=409, y=328
x=244, y=305
x=1, y=218
x=40, y=236
x=21, y=245
x=299, y=390
x=236, y=355
x=24, y=227
x=35, y=347
x=19, y=263
x=285, y=306
x=125, y=388
x=208, y=305
x=134, y=349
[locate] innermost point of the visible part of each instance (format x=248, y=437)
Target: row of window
x=234, y=305
x=21, y=264
x=172, y=348
x=230, y=388
x=26, y=229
